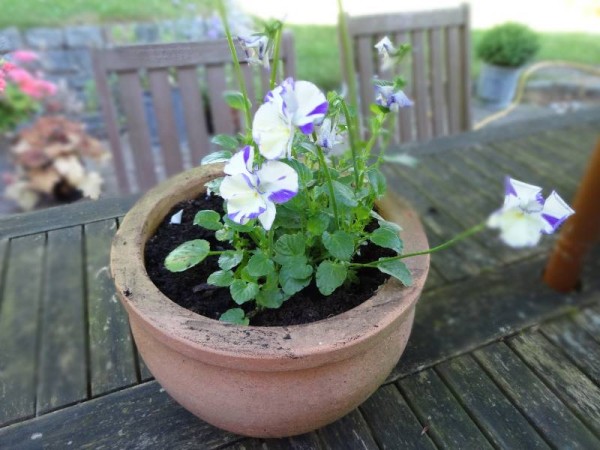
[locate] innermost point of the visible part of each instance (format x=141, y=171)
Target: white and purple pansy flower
x=386, y=49
x=291, y=105
x=525, y=214
x=329, y=139
x=394, y=99
x=256, y=47
x=251, y=192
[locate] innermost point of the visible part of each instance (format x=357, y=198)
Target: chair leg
x=579, y=232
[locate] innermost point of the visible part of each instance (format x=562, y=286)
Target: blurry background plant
x=508, y=45
x=50, y=163
x=24, y=93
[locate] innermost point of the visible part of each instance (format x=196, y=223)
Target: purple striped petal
x=282, y=196
x=307, y=128
x=319, y=109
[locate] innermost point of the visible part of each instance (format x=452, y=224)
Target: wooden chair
x=437, y=71
x=186, y=82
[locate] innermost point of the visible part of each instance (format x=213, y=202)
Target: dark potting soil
x=190, y=290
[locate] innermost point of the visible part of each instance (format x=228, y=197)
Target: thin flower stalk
x=276, y=51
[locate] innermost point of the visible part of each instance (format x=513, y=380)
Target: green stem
x=325, y=169
x=275, y=58
x=236, y=62
x=351, y=137
x=348, y=60
x=459, y=237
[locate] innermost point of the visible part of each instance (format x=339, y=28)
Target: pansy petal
x=277, y=181
x=311, y=103
x=525, y=192
x=238, y=186
x=517, y=229
x=555, y=212
x=243, y=201
x=268, y=216
x=270, y=131
x=241, y=162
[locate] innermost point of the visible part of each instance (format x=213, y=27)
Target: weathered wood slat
x=545, y=411
x=120, y=420
x=112, y=364
x=420, y=80
x=145, y=373
x=62, y=372
x=577, y=344
x=589, y=319
x=351, y=432
x=437, y=82
x=194, y=113
x=139, y=137
x=567, y=382
x=453, y=66
x=463, y=316
x=366, y=71
x=465, y=60
x=221, y=113
x=392, y=422
x=19, y=316
x=405, y=115
x=165, y=118
x=496, y=416
x=309, y=441
x=448, y=425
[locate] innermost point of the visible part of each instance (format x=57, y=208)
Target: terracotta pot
x=262, y=381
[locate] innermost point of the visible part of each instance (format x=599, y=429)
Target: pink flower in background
x=30, y=85
x=24, y=56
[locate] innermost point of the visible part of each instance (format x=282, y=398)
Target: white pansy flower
x=386, y=49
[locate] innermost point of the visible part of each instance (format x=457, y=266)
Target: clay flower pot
x=262, y=381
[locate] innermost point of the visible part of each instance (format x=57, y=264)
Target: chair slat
x=405, y=115
x=194, y=113
x=437, y=82
x=288, y=54
x=139, y=139
x=366, y=72
x=111, y=124
x=220, y=111
x=165, y=117
x=420, y=83
x=454, y=74
x=465, y=41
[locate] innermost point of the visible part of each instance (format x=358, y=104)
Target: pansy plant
x=299, y=209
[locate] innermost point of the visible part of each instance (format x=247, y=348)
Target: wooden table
x=496, y=359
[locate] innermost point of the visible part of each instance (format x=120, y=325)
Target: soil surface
x=190, y=290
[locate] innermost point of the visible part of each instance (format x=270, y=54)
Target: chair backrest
x=437, y=70
x=171, y=94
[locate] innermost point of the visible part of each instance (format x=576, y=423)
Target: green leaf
x=226, y=234
x=397, y=269
x=226, y=141
x=295, y=260
x=316, y=225
x=230, y=259
x=242, y=291
x=330, y=276
x=377, y=181
x=292, y=285
x=187, y=255
x=216, y=157
x=387, y=238
x=237, y=226
x=270, y=298
x=299, y=271
x=236, y=100
x=344, y=194
x=291, y=244
x=221, y=278
x=339, y=244
x=305, y=175
x=209, y=219
x=236, y=316
x=259, y=265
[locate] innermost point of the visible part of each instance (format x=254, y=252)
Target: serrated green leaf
x=242, y=291
x=318, y=224
x=259, y=265
x=225, y=141
x=209, y=219
x=343, y=194
x=377, y=181
x=236, y=100
x=221, y=278
x=187, y=255
x=216, y=157
x=230, y=259
x=299, y=271
x=224, y=235
x=387, y=238
x=397, y=269
x=285, y=260
x=330, y=276
x=270, y=298
x=238, y=226
x=293, y=285
x=339, y=244
x=236, y=316
x=291, y=244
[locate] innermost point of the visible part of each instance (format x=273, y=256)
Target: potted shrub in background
x=212, y=283
x=504, y=50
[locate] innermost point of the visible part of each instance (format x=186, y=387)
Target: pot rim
x=277, y=348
